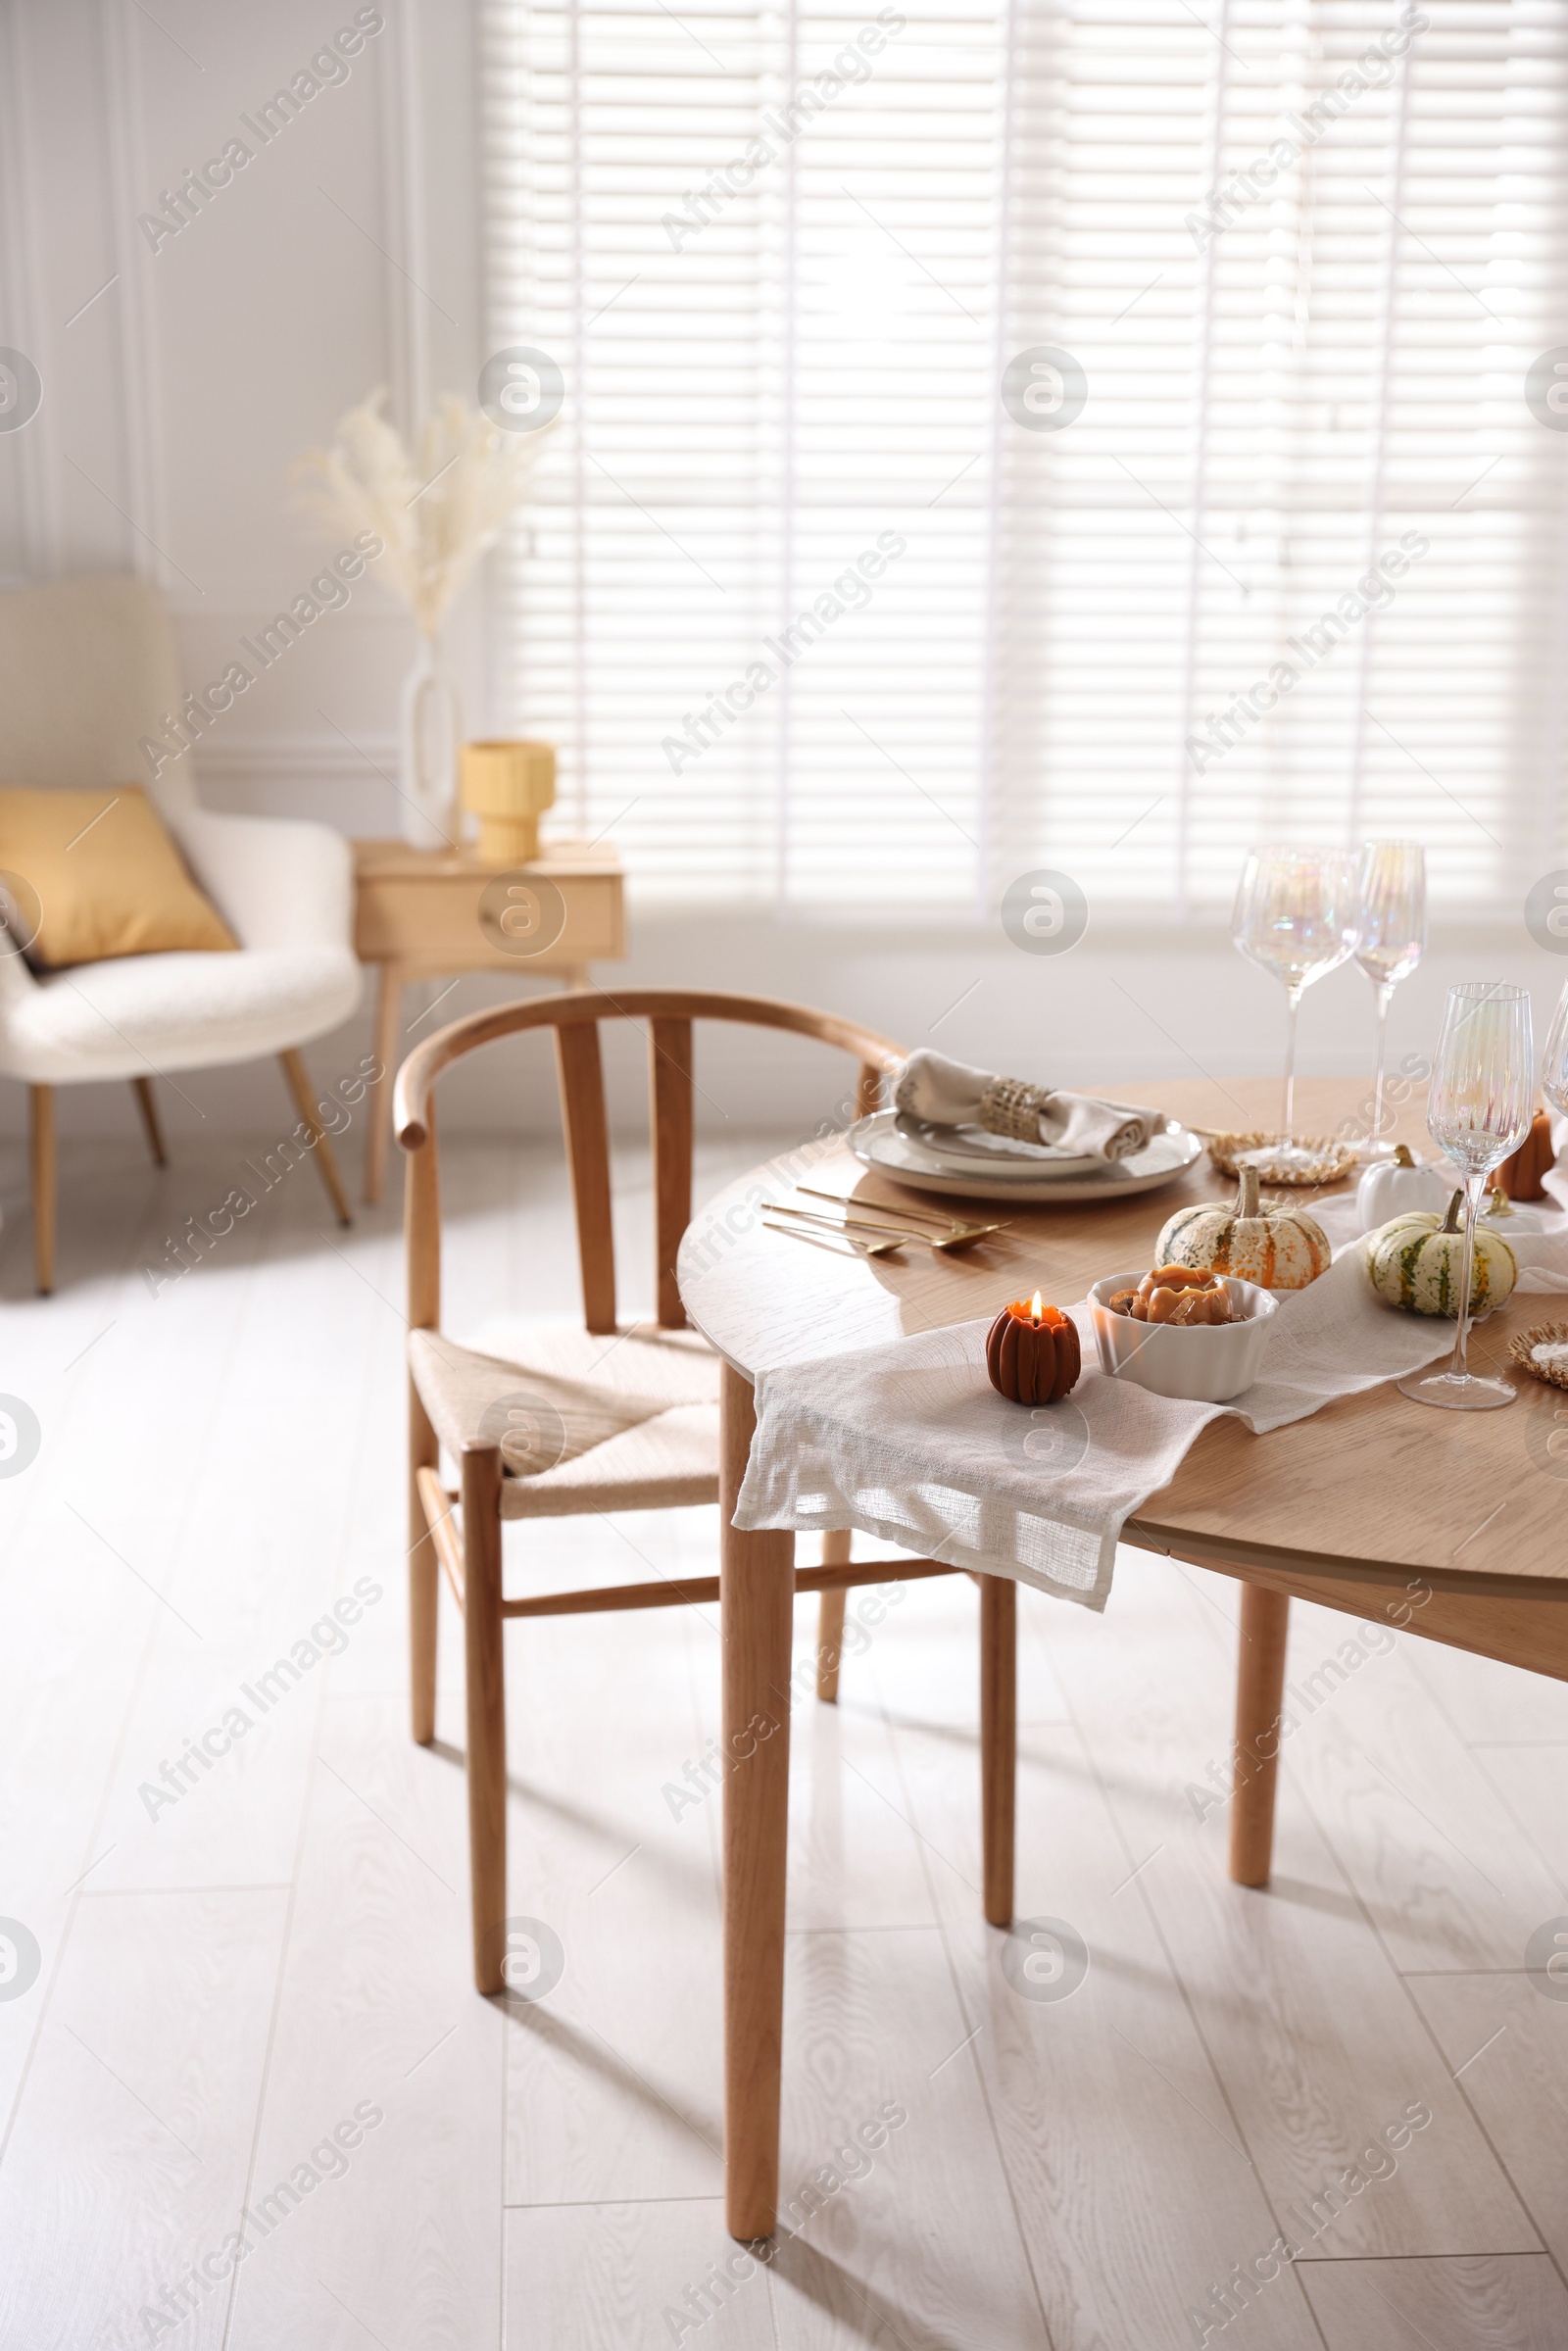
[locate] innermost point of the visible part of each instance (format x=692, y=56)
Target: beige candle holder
x=508, y=786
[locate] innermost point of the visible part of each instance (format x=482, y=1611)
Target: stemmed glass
x=1391, y=939
x=1295, y=915
x=1479, y=1109
x=1554, y=1065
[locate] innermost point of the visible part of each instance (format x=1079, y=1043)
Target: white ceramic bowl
x=1203, y=1363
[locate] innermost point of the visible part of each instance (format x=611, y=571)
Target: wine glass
x=1479, y=1109
x=1391, y=939
x=1554, y=1065
x=1295, y=915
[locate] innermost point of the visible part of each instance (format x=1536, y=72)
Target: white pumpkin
x=1278, y=1247
x=1417, y=1262
x=1399, y=1187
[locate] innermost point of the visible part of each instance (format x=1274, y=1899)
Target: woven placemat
x=1555, y=1375
x=1331, y=1159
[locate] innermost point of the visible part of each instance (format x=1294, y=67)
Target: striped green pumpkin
x=1416, y=1261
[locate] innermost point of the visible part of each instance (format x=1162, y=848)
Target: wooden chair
x=632, y=1425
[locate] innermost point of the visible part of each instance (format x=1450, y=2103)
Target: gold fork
x=942, y=1244
x=959, y=1232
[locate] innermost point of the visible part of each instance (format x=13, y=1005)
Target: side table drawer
x=433, y=921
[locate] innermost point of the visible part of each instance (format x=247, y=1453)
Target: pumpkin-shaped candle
x=1032, y=1352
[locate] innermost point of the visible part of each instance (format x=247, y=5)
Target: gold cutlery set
x=890, y=1228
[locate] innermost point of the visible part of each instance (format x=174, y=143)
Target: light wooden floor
x=284, y=1947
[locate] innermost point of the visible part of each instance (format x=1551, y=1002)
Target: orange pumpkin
x=1520, y=1177
x=1032, y=1352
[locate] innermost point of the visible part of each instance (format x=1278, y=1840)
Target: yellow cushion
x=96, y=873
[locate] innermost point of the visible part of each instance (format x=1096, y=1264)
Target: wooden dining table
x=1451, y=1525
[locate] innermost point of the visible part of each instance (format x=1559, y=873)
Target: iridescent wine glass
x=1391, y=940
x=1479, y=1109
x=1295, y=915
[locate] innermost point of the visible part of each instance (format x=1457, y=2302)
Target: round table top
x=1369, y=1483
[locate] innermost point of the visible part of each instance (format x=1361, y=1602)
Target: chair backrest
x=87, y=668
x=667, y=1016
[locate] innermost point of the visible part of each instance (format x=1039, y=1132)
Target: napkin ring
x=1009, y=1107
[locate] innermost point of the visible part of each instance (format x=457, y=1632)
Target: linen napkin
x=909, y=1442
x=1078, y=1126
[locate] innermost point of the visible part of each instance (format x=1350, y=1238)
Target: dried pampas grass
x=436, y=509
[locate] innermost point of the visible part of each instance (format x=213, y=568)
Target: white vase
x=430, y=729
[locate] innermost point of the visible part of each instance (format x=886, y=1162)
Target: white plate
x=877, y=1143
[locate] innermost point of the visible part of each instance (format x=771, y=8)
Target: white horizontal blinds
x=1114, y=113
x=645, y=579
x=1376, y=327
x=1303, y=252
x=897, y=196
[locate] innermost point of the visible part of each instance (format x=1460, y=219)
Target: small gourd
x=1033, y=1355
x=1398, y=1186
x=1417, y=1262
x=1278, y=1247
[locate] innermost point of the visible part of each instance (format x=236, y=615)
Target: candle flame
x=1035, y=1306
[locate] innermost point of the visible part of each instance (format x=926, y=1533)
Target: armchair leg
x=152, y=1124
x=423, y=1575
x=483, y=1624
x=299, y=1085
x=830, y=1622
x=41, y=1138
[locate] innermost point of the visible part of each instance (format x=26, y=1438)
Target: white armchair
x=87, y=669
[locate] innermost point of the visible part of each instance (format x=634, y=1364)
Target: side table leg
x=1260, y=1688
x=378, y=1102
x=999, y=1739
x=757, y=1597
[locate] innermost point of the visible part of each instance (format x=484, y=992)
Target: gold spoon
x=862, y=1248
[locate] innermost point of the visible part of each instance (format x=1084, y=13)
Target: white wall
x=345, y=255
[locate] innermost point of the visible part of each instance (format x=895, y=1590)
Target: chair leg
x=425, y=1576
x=1260, y=1690
x=487, y=1709
x=999, y=1739
x=830, y=1622
x=152, y=1124
x=41, y=1141
x=299, y=1085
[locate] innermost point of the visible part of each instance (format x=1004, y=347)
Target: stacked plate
x=974, y=1164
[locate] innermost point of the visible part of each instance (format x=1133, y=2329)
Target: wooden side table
x=422, y=913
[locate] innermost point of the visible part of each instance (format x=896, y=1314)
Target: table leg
x=378, y=1101
x=756, y=1589
x=999, y=1739
x=1260, y=1688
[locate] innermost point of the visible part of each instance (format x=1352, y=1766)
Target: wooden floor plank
x=1479, y=2303
x=893, y=2206
x=381, y=2040
x=1442, y=1868
x=1134, y=2193
x=1311, y=2030
x=1531, y=1781
x=1509, y=2044
x=91, y=1533
x=126, y=2167
x=264, y=1606
x=613, y=2086
x=581, y=2276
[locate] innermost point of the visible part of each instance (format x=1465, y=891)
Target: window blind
x=1269, y=541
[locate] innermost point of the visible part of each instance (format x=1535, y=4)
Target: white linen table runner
x=909, y=1442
